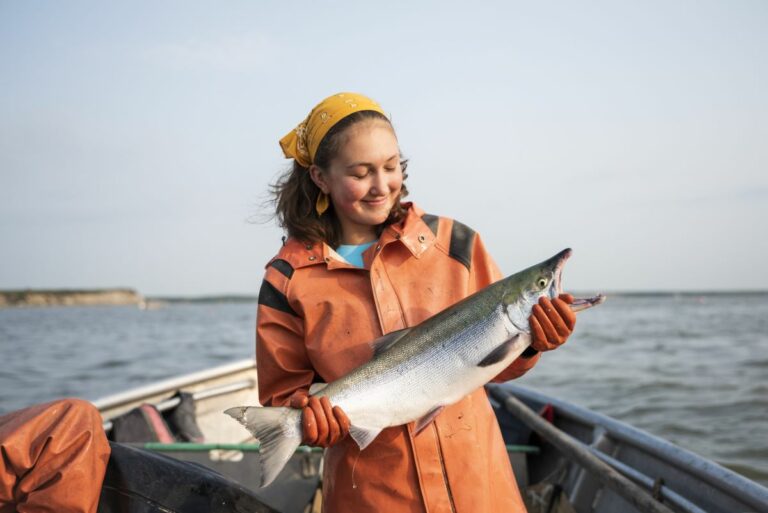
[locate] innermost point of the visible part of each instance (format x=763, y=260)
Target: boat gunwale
x=172, y=384
x=727, y=481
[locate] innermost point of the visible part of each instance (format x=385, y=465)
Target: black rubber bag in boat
x=139, y=481
x=183, y=421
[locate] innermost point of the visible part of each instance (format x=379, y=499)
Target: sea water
x=692, y=369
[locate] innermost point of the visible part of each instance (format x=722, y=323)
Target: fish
x=417, y=371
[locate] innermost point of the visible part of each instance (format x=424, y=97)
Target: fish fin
x=382, y=344
x=499, y=353
x=316, y=387
x=426, y=419
x=278, y=431
x=363, y=436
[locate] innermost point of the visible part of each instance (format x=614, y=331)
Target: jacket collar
x=412, y=232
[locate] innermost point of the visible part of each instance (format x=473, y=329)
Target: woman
x=359, y=263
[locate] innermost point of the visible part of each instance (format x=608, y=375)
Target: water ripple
x=689, y=369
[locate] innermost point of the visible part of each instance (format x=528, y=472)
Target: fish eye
x=542, y=282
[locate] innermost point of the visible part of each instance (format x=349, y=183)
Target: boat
x=565, y=458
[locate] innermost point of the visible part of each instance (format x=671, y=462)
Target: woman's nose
x=379, y=184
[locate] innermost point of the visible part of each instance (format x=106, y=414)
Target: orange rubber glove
x=321, y=424
x=552, y=322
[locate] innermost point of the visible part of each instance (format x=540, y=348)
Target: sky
x=138, y=139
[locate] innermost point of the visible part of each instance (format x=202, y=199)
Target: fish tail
x=277, y=429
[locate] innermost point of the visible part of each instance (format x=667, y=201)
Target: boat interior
x=566, y=459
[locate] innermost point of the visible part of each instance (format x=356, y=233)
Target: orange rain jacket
x=316, y=317
x=53, y=458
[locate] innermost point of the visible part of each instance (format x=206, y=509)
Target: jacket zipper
x=442, y=467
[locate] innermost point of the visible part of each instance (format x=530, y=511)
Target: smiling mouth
x=380, y=201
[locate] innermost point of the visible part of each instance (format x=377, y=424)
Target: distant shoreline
x=69, y=297
x=684, y=293
x=21, y=298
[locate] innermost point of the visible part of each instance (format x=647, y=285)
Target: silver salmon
x=416, y=372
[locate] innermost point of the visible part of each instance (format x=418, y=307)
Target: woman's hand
x=321, y=424
x=552, y=322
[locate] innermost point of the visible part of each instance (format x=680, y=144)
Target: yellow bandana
x=301, y=143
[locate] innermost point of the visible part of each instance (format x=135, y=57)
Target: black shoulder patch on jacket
x=283, y=266
x=462, y=237
x=431, y=221
x=273, y=298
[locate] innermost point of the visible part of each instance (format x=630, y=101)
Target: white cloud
x=232, y=53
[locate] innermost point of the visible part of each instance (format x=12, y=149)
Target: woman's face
x=363, y=180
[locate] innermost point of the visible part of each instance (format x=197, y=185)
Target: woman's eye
x=542, y=283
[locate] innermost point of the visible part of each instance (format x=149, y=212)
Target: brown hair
x=295, y=194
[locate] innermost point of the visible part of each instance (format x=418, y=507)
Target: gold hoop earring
x=322, y=203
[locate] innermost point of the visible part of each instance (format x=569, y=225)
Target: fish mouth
x=560, y=260
x=578, y=304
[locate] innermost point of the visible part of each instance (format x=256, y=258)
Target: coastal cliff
x=64, y=297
